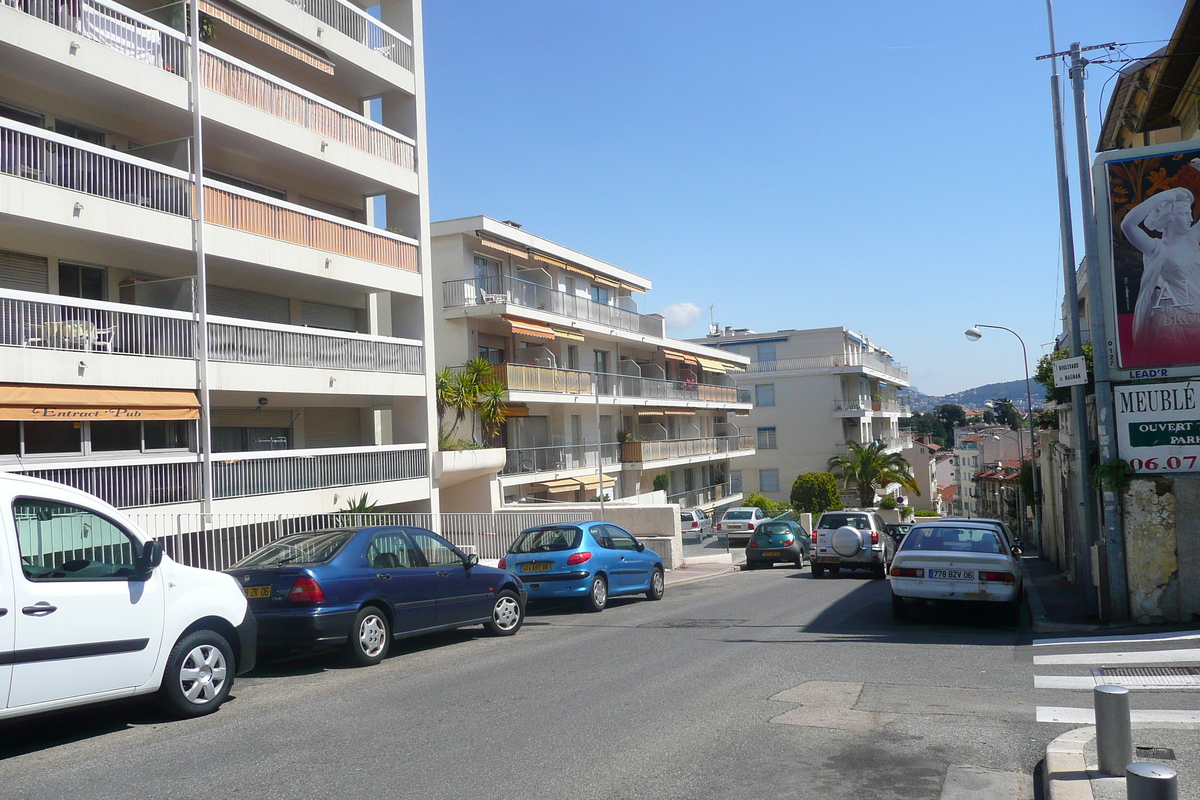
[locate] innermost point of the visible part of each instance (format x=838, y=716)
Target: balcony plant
x=661, y=482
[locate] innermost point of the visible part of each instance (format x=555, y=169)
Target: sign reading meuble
x=1158, y=426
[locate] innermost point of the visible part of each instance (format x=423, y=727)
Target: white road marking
x=1087, y=716
x=1122, y=657
x=1073, y=682
x=1138, y=637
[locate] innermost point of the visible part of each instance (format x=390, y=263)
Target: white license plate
x=830, y=559
x=952, y=574
x=735, y=527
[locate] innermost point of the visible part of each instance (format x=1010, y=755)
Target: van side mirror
x=152, y=555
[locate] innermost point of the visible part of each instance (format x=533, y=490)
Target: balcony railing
x=525, y=460
x=865, y=404
x=830, y=362
x=684, y=448
x=532, y=378
x=144, y=39
x=176, y=479
x=362, y=28
x=51, y=158
x=39, y=321
x=700, y=497
x=501, y=289
x=902, y=442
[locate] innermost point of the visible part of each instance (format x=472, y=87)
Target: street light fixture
x=974, y=334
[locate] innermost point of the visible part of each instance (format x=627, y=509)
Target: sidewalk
x=1055, y=605
x=696, y=572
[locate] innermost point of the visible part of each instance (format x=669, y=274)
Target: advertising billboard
x=1158, y=426
x=1147, y=207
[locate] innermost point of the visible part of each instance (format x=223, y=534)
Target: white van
x=91, y=610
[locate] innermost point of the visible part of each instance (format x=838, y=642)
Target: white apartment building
x=976, y=449
x=315, y=229
x=596, y=390
x=814, y=391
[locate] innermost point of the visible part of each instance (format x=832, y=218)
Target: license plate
x=255, y=592
x=774, y=553
x=830, y=559
x=735, y=527
x=952, y=574
x=535, y=568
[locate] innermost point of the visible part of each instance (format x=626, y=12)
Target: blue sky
x=886, y=166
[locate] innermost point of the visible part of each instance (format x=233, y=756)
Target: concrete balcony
x=504, y=295
x=43, y=338
x=669, y=452
x=854, y=362
x=548, y=384
x=175, y=479
x=707, y=497
x=852, y=407
x=891, y=444
x=560, y=458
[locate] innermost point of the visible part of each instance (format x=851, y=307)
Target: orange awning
x=511, y=249
x=551, y=260
x=559, y=486
x=676, y=355
x=70, y=403
x=515, y=411
x=527, y=327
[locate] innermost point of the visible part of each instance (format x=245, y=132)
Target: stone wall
x=1162, y=548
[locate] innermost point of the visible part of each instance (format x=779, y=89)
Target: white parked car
x=741, y=521
x=91, y=610
x=960, y=560
x=694, y=522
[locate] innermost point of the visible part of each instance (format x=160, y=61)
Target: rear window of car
x=740, y=515
x=301, y=548
x=830, y=521
x=546, y=540
x=954, y=540
x=686, y=517
x=774, y=528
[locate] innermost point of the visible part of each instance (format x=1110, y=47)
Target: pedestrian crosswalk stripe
x=1087, y=716
x=1137, y=637
x=1122, y=657
x=1072, y=682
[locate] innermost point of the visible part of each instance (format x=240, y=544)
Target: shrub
x=815, y=493
x=925, y=512
x=768, y=505
x=661, y=482
x=889, y=503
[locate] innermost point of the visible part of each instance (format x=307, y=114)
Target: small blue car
x=589, y=561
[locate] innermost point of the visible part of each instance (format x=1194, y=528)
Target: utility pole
x=201, y=290
x=1111, y=538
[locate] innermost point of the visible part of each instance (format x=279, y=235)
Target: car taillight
x=306, y=590
x=874, y=537
x=750, y=526
x=502, y=564
x=814, y=537
x=753, y=543
x=998, y=577
x=719, y=524
x=908, y=572
x=787, y=540
x=577, y=558
x=695, y=524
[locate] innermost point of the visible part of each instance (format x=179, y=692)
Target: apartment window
x=600, y=295
x=79, y=132
x=569, y=285
x=764, y=394
x=766, y=438
x=20, y=115
x=79, y=281
x=240, y=440
x=735, y=481
x=492, y=355
x=765, y=352
x=768, y=480
x=572, y=356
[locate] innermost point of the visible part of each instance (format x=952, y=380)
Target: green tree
x=951, y=416
x=1006, y=413
x=492, y=410
x=815, y=493
x=1045, y=375
x=661, y=482
x=867, y=467
x=470, y=390
x=929, y=424
x=989, y=418
x=768, y=505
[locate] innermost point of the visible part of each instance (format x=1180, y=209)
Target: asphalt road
x=763, y=684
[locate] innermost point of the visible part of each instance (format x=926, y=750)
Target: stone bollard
x=1114, y=738
x=1148, y=781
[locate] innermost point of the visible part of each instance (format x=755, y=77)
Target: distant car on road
x=360, y=588
x=694, y=522
x=777, y=541
x=739, y=522
x=852, y=539
x=588, y=561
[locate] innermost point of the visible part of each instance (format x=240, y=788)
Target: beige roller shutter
x=24, y=273
x=249, y=418
x=332, y=427
x=334, y=318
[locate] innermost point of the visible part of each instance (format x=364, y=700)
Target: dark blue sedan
x=590, y=561
x=363, y=587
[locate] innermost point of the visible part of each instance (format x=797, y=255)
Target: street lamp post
x=974, y=334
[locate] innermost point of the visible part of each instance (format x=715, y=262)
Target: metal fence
x=217, y=541
x=684, y=448
x=829, y=362
x=702, y=496
x=303, y=347
x=525, y=460
x=362, y=28
x=534, y=378
x=115, y=27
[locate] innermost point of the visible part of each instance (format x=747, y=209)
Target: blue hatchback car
x=589, y=561
x=362, y=587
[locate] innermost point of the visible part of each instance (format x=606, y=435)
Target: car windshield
x=545, y=540
x=740, y=515
x=954, y=540
x=774, y=528
x=831, y=521
x=302, y=548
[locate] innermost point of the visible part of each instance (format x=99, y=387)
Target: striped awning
x=511, y=249
x=650, y=412
x=527, y=327
x=679, y=412
x=567, y=333
x=683, y=358
x=558, y=487
x=551, y=260
x=609, y=282
x=252, y=29
x=592, y=481
x=712, y=365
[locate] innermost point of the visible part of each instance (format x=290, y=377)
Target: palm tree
x=868, y=466
x=492, y=411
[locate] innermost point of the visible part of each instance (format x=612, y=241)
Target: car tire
x=658, y=585
x=597, y=597
x=899, y=607
x=507, y=614
x=1012, y=611
x=370, y=637
x=198, y=676
x=818, y=571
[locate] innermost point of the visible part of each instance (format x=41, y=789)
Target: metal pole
x=599, y=449
x=1148, y=781
x=206, y=466
x=1086, y=509
x=1114, y=738
x=1117, y=595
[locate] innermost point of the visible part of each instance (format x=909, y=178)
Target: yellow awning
x=676, y=355
x=551, y=260
x=79, y=404
x=250, y=29
x=527, y=327
x=577, y=270
x=560, y=486
x=650, y=413
x=609, y=282
x=515, y=411
x=511, y=249
x=680, y=412
x=711, y=365
x=592, y=481
x=567, y=333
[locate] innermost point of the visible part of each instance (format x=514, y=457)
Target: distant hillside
x=973, y=399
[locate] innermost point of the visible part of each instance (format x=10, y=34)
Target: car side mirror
x=641, y=547
x=470, y=560
x=1017, y=551
x=152, y=555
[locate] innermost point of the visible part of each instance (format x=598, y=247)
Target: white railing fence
x=218, y=541
x=361, y=27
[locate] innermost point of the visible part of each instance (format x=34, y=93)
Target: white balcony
x=538, y=384
x=668, y=452
x=853, y=362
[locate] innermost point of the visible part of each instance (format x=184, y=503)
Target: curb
x=697, y=577
x=1039, y=622
x=1064, y=773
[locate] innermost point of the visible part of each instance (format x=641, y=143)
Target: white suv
x=851, y=539
x=91, y=610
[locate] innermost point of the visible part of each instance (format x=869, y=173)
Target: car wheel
x=507, y=615
x=370, y=637
x=818, y=571
x=899, y=607
x=1012, y=611
x=198, y=676
x=597, y=597
x=658, y=585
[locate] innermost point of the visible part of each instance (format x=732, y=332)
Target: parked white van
x=91, y=610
